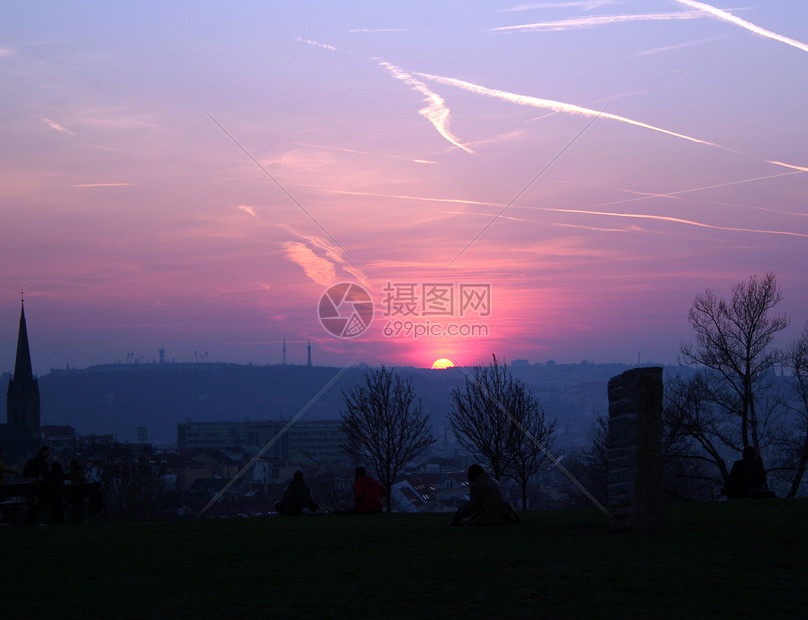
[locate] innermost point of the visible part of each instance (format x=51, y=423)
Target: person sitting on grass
x=367, y=493
x=296, y=497
x=486, y=506
x=747, y=478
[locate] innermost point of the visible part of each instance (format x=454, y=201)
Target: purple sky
x=195, y=175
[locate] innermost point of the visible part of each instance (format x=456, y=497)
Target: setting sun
x=442, y=363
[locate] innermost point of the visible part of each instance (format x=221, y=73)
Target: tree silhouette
x=796, y=362
x=383, y=424
x=496, y=417
x=530, y=448
x=734, y=340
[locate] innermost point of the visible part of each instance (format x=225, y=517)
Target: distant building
x=320, y=438
x=21, y=435
x=59, y=436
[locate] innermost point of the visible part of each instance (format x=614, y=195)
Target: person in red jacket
x=367, y=493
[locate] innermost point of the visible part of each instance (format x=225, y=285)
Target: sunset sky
x=195, y=175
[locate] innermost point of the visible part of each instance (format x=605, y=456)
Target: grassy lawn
x=741, y=559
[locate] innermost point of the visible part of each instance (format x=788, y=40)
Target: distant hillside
x=118, y=398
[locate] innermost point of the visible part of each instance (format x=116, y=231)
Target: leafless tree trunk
x=384, y=425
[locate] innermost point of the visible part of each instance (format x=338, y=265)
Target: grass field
x=727, y=559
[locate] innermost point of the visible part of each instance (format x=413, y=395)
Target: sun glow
x=442, y=363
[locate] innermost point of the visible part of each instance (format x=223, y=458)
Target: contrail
x=592, y=22
x=729, y=17
x=675, y=220
x=678, y=193
x=557, y=106
x=435, y=112
x=560, y=106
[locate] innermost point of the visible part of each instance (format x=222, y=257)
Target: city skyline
x=196, y=176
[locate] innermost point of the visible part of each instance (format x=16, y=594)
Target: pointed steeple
x=22, y=398
x=23, y=371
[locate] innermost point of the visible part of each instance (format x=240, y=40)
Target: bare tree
x=734, y=340
x=383, y=424
x=592, y=464
x=480, y=415
x=496, y=417
x=695, y=438
x=531, y=446
x=797, y=440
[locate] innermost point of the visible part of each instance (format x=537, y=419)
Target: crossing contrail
x=435, y=112
x=557, y=106
x=560, y=106
x=729, y=17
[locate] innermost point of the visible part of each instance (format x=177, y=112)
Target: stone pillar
x=635, y=449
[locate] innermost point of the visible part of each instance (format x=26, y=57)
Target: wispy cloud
x=375, y=155
x=316, y=268
x=678, y=46
x=328, y=253
x=732, y=19
x=4, y=51
x=378, y=30
x=419, y=198
x=248, y=210
x=435, y=112
x=56, y=126
x=586, y=5
x=104, y=185
x=577, y=23
x=324, y=46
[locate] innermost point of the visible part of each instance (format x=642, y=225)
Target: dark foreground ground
x=744, y=559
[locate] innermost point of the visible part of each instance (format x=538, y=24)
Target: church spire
x=23, y=371
x=22, y=398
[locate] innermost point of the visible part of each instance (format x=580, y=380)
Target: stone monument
x=635, y=449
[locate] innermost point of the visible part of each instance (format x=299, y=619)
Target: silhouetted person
x=38, y=469
x=747, y=478
x=486, y=506
x=367, y=493
x=77, y=476
x=296, y=497
x=54, y=492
